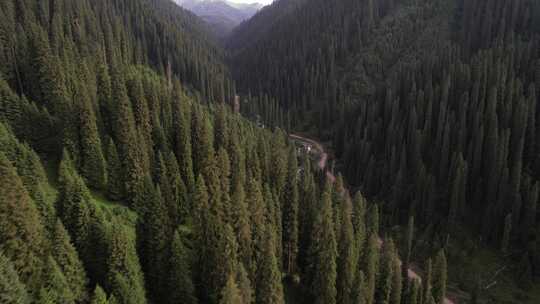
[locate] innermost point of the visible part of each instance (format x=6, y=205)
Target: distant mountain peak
x=221, y=15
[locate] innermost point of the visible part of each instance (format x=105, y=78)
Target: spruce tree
x=346, y=255
x=124, y=276
x=240, y=219
x=371, y=266
x=414, y=293
x=180, y=282
x=68, y=261
x=21, y=232
x=397, y=282
x=126, y=138
x=153, y=233
x=427, y=282
x=114, y=171
x=269, y=289
x=230, y=293
x=325, y=252
x=373, y=220
x=440, y=277
x=384, y=284
x=12, y=290
x=93, y=165
x=99, y=296
x=56, y=288
x=290, y=215
x=360, y=291
x=183, y=146
x=244, y=284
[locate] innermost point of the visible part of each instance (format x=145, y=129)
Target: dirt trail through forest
x=323, y=160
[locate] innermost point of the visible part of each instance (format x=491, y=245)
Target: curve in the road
x=323, y=159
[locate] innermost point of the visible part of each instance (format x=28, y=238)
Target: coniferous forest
x=143, y=160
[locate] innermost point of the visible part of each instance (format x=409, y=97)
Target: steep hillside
x=432, y=107
x=125, y=177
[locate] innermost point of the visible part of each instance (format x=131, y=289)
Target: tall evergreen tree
x=93, y=165
x=324, y=252
x=21, y=232
x=346, y=255
x=180, y=282
x=269, y=289
x=12, y=290
x=231, y=293
x=99, y=296
x=68, y=261
x=440, y=277
x=290, y=215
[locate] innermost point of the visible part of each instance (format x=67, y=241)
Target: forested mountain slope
x=431, y=105
x=125, y=177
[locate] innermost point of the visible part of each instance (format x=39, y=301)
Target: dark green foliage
x=180, y=280
x=99, y=296
x=56, y=288
x=346, y=261
x=66, y=256
x=124, y=276
x=230, y=293
x=440, y=277
x=114, y=167
x=430, y=106
x=12, y=290
x=290, y=215
x=93, y=165
x=153, y=235
x=324, y=252
x=21, y=231
x=269, y=289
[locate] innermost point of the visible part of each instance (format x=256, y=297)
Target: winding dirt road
x=323, y=160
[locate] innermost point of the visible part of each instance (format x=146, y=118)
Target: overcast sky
x=251, y=1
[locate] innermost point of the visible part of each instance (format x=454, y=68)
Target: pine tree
x=126, y=138
x=244, y=284
x=373, y=220
x=384, y=284
x=224, y=169
x=360, y=291
x=230, y=293
x=56, y=289
x=241, y=224
x=124, y=278
x=99, y=296
x=408, y=252
x=114, y=167
x=182, y=119
x=93, y=165
x=414, y=293
x=397, y=282
x=21, y=232
x=68, y=261
x=180, y=282
x=371, y=266
x=12, y=290
x=346, y=255
x=269, y=289
x=153, y=234
x=209, y=238
x=325, y=252
x=427, y=283
x=290, y=215
x=257, y=213
x=439, y=278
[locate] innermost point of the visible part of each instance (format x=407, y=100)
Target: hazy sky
x=251, y=1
